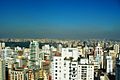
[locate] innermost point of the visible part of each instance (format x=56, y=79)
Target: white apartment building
x=116, y=48
x=60, y=48
x=85, y=72
x=63, y=69
x=7, y=53
x=34, y=50
x=99, y=55
x=70, y=69
x=2, y=45
x=34, y=54
x=45, y=52
x=56, y=67
x=85, y=51
x=109, y=68
x=70, y=52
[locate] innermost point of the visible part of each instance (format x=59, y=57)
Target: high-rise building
x=85, y=72
x=117, y=70
x=2, y=69
x=64, y=69
x=70, y=70
x=45, y=52
x=67, y=67
x=109, y=68
x=99, y=55
x=70, y=52
x=85, y=51
x=56, y=68
x=60, y=48
x=3, y=45
x=6, y=53
x=116, y=48
x=0, y=47
x=34, y=53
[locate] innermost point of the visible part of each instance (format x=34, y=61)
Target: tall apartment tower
x=34, y=53
x=6, y=53
x=2, y=46
x=99, y=55
x=116, y=48
x=56, y=68
x=67, y=67
x=109, y=68
x=2, y=69
x=117, y=71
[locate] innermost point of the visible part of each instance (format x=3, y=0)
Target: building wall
x=85, y=72
x=16, y=75
x=56, y=67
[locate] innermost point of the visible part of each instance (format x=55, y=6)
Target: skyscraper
x=2, y=70
x=109, y=64
x=99, y=55
x=116, y=48
x=67, y=66
x=34, y=53
x=117, y=71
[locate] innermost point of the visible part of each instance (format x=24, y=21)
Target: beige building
x=16, y=75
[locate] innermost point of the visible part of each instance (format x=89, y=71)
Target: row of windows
x=56, y=71
x=57, y=59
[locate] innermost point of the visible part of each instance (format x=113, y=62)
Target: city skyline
x=73, y=19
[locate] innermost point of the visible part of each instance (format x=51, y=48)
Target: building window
x=55, y=59
x=64, y=75
x=64, y=64
x=70, y=50
x=73, y=64
x=73, y=69
x=56, y=63
x=84, y=66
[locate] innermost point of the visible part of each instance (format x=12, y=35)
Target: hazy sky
x=70, y=19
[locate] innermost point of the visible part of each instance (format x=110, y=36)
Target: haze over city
x=69, y=19
x=59, y=39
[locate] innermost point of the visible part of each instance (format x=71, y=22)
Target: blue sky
x=69, y=19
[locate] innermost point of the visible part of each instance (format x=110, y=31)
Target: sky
x=64, y=19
